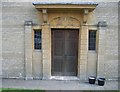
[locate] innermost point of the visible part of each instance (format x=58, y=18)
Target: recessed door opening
x=64, y=52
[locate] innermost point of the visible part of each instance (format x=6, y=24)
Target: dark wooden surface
x=64, y=52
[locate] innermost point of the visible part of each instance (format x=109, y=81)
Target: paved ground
x=57, y=85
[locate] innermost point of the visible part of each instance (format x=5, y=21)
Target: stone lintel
x=79, y=6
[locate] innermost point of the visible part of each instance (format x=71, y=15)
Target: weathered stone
x=20, y=60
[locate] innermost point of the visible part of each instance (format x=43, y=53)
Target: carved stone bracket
x=45, y=15
x=85, y=15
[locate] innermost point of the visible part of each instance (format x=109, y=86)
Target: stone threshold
x=64, y=78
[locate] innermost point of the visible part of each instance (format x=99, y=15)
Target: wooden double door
x=64, y=52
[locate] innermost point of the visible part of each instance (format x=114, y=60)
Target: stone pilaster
x=46, y=51
x=83, y=39
x=28, y=50
x=101, y=49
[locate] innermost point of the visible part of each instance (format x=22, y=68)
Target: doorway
x=64, y=52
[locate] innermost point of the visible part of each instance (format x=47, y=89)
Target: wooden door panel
x=58, y=47
x=64, y=52
x=57, y=52
x=71, y=50
x=70, y=66
x=57, y=66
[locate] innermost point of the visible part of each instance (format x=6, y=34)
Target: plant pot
x=92, y=79
x=101, y=81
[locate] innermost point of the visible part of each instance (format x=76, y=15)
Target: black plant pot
x=92, y=79
x=101, y=81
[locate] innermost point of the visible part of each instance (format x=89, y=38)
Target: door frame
x=75, y=29
x=82, y=47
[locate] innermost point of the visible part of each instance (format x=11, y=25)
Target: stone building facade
x=47, y=40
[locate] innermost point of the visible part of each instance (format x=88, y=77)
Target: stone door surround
x=65, y=21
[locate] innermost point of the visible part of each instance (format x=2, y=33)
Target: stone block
x=46, y=73
x=84, y=42
x=84, y=37
x=37, y=65
x=45, y=36
x=84, y=47
x=83, y=57
x=83, y=61
x=83, y=51
x=83, y=77
x=47, y=65
x=46, y=52
x=46, y=31
x=83, y=32
x=83, y=68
